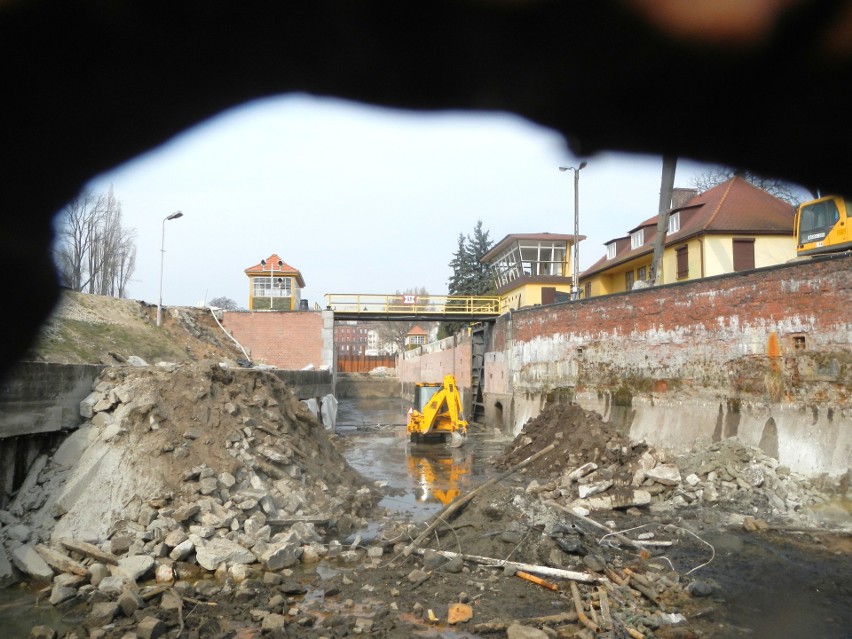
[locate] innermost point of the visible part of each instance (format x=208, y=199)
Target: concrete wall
x=287, y=340
x=39, y=398
x=365, y=387
x=764, y=356
x=430, y=362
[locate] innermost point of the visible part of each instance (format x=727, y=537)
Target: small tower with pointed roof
x=274, y=285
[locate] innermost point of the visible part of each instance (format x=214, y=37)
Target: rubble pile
x=183, y=468
x=594, y=468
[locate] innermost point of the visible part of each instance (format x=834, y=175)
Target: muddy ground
x=278, y=487
x=178, y=458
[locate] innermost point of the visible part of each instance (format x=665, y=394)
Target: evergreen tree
x=470, y=276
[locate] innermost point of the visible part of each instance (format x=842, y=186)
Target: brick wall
x=288, y=340
x=710, y=336
x=764, y=356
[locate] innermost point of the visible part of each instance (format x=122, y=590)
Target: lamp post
x=173, y=216
x=271, y=277
x=575, y=286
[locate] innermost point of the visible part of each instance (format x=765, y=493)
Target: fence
x=364, y=363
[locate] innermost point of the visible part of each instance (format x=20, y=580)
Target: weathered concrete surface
x=763, y=356
x=363, y=386
x=307, y=384
x=38, y=397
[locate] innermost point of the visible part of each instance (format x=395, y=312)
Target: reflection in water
x=439, y=471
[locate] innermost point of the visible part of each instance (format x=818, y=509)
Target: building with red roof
x=734, y=226
x=274, y=285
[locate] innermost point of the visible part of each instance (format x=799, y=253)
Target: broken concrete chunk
x=28, y=561
x=587, y=490
x=666, y=474
x=582, y=471
x=221, y=550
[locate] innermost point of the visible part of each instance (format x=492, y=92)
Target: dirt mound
x=97, y=329
x=579, y=436
x=165, y=436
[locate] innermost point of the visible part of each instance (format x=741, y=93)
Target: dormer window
x=674, y=223
x=610, y=251
x=637, y=239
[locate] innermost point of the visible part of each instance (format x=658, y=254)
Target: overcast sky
x=360, y=199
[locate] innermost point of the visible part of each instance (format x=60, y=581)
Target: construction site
x=197, y=497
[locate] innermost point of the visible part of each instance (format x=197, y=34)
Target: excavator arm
x=440, y=416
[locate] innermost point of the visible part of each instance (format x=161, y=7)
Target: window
x=610, y=251
x=272, y=287
x=674, y=223
x=743, y=254
x=682, y=253
x=641, y=274
x=637, y=239
x=628, y=280
x=587, y=290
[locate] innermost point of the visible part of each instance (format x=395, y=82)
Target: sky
x=360, y=199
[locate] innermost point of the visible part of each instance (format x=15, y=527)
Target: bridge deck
x=413, y=307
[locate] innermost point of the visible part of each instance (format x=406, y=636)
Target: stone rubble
x=596, y=469
x=179, y=469
x=201, y=486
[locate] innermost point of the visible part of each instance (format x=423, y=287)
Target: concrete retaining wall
x=365, y=387
x=39, y=398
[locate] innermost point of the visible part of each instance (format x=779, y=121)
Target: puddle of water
x=425, y=477
x=22, y=607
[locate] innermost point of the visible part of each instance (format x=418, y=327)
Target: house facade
x=735, y=226
x=274, y=285
x=531, y=268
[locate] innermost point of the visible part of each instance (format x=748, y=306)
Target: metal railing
x=425, y=306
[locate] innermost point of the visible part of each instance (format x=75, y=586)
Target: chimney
x=681, y=195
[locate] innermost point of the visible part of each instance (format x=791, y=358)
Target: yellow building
x=274, y=285
x=531, y=268
x=732, y=227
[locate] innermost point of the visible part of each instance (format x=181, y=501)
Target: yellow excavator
x=437, y=415
x=823, y=225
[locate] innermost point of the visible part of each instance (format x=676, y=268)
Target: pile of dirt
x=98, y=329
x=592, y=467
x=579, y=436
x=199, y=436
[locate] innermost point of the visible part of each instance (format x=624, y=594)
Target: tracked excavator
x=437, y=415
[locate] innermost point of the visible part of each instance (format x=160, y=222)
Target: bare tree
x=225, y=303
x=94, y=253
x=395, y=332
x=790, y=193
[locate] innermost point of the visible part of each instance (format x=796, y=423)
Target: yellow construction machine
x=437, y=415
x=823, y=226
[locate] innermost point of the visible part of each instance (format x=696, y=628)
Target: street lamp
x=173, y=216
x=271, y=277
x=575, y=287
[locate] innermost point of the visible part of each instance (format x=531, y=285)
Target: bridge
x=455, y=308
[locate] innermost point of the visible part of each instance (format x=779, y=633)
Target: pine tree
x=470, y=276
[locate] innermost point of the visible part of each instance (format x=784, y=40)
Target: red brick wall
x=715, y=335
x=818, y=294
x=288, y=340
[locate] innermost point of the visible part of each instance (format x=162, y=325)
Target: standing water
x=425, y=477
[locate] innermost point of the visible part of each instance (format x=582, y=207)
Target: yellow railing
x=423, y=305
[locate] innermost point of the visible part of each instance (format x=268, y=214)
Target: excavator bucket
x=457, y=439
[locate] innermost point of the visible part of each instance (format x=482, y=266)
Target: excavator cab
x=437, y=415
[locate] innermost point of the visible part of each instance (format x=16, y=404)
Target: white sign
x=409, y=299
